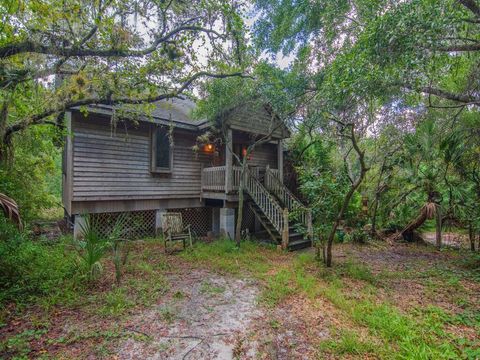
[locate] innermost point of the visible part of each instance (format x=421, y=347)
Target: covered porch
x=222, y=180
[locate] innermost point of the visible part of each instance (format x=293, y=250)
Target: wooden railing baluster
x=275, y=185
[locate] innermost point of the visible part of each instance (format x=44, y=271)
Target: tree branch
x=33, y=47
x=459, y=48
x=471, y=5
x=462, y=98
x=39, y=118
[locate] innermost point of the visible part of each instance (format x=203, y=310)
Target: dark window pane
x=162, y=149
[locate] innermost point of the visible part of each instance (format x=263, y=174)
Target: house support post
x=228, y=162
x=227, y=222
x=280, y=159
x=79, y=223
x=216, y=221
x=158, y=220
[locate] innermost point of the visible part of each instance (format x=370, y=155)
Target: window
x=162, y=154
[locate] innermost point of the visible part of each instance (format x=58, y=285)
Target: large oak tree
x=55, y=55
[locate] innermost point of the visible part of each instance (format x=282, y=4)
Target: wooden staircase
x=274, y=205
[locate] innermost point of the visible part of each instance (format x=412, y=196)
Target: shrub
x=358, y=236
x=31, y=268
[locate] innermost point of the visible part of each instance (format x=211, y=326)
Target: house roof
x=178, y=111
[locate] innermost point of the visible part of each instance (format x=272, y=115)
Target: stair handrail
x=293, y=204
x=266, y=202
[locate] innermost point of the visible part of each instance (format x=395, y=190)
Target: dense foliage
x=31, y=269
x=32, y=175
x=406, y=75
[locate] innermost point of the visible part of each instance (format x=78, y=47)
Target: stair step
x=294, y=234
x=299, y=244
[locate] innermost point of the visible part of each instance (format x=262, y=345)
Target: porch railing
x=267, y=203
x=292, y=203
x=213, y=178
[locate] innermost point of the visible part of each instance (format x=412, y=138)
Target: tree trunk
x=331, y=236
x=241, y=187
x=373, y=230
x=348, y=196
x=438, y=234
x=419, y=220
x=471, y=236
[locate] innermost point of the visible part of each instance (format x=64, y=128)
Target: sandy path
x=205, y=316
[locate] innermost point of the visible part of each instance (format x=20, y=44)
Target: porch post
x=280, y=159
x=228, y=161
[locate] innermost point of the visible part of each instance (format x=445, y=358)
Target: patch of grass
x=18, y=346
x=468, y=318
x=210, y=288
x=348, y=343
x=101, y=336
x=143, y=266
x=168, y=314
x=278, y=288
x=146, y=291
x=413, y=336
x=178, y=295
x=275, y=324
x=356, y=271
x=224, y=256
x=116, y=302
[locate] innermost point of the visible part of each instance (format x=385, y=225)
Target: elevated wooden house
x=145, y=165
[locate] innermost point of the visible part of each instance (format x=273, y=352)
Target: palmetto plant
x=119, y=246
x=92, y=247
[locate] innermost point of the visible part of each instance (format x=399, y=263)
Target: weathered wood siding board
x=110, y=165
x=264, y=155
x=255, y=119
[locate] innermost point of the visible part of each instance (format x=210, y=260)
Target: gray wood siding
x=116, y=166
x=264, y=155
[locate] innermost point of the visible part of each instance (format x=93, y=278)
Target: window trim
x=153, y=153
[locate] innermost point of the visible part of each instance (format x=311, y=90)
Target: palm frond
x=10, y=209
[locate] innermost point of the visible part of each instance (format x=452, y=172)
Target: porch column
x=280, y=159
x=227, y=222
x=228, y=161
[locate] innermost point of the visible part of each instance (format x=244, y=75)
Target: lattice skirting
x=141, y=224
x=200, y=219
x=248, y=220
x=135, y=224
